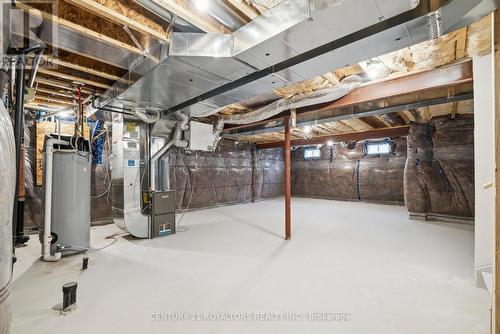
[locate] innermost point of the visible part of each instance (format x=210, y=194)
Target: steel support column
x=288, y=181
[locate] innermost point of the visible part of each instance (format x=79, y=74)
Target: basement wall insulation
x=345, y=173
x=226, y=176
x=439, y=174
x=437, y=179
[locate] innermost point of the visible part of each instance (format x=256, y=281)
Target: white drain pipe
x=47, y=238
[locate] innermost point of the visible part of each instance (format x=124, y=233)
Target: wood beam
x=59, y=62
x=77, y=28
x=373, y=122
x=186, y=12
x=436, y=78
x=244, y=8
x=243, y=19
x=55, y=99
x=73, y=78
x=455, y=75
x=118, y=18
x=55, y=93
x=61, y=85
x=288, y=181
x=398, y=131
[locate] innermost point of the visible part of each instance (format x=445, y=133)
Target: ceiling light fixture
x=307, y=129
x=329, y=143
x=201, y=4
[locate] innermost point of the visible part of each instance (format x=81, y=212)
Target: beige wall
x=484, y=154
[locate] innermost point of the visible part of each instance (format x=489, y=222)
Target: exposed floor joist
x=54, y=99
x=59, y=62
x=61, y=85
x=185, y=11
x=52, y=92
x=73, y=78
x=77, y=28
x=244, y=8
x=398, y=131
x=110, y=14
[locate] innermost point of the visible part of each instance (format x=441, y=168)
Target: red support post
x=288, y=185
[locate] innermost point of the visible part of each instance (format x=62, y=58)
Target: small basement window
x=378, y=148
x=311, y=153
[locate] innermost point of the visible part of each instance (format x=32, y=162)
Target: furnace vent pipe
x=47, y=237
x=154, y=160
x=177, y=141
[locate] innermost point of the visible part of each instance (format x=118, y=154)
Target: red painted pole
x=288, y=185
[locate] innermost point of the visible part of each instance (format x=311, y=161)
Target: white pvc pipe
x=47, y=238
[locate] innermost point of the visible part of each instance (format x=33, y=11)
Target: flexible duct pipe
x=47, y=238
x=141, y=114
x=180, y=127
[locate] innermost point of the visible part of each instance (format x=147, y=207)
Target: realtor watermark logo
x=27, y=29
x=250, y=316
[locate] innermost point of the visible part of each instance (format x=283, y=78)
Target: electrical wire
x=108, y=176
x=112, y=236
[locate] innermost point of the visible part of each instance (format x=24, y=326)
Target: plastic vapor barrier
x=226, y=176
x=343, y=172
x=439, y=174
x=269, y=173
x=33, y=206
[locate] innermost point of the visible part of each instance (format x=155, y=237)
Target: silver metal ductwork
x=294, y=41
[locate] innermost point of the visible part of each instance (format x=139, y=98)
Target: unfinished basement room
x=250, y=166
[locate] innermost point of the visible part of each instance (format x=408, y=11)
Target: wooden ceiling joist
x=244, y=8
x=54, y=99
x=185, y=11
x=77, y=28
x=73, y=78
x=243, y=19
x=118, y=18
x=61, y=85
x=55, y=93
x=398, y=131
x=59, y=62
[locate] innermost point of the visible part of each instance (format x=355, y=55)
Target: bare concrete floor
x=391, y=275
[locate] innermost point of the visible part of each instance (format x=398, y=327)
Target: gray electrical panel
x=162, y=213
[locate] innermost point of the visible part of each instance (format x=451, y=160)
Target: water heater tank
x=71, y=200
